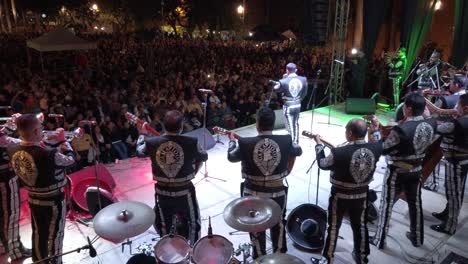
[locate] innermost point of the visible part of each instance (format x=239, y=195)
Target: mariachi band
x=39, y=165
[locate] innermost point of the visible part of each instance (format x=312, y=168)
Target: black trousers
x=395, y=183
x=338, y=205
x=9, y=215
x=455, y=179
x=291, y=118
x=180, y=202
x=48, y=223
x=277, y=232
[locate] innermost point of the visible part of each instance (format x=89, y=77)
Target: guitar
x=222, y=131
x=133, y=119
x=313, y=136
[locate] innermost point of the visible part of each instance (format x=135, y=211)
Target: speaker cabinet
x=92, y=199
x=360, y=106
x=279, y=119
x=205, y=139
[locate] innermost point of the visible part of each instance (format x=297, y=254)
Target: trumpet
x=51, y=135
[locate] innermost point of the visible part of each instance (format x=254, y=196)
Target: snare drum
x=172, y=249
x=212, y=250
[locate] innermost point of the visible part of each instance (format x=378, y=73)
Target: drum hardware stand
x=243, y=249
x=205, y=173
x=129, y=243
x=218, y=141
x=92, y=252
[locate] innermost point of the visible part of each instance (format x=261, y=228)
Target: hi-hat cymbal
x=278, y=258
x=252, y=214
x=122, y=220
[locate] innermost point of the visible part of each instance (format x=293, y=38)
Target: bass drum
x=212, y=249
x=172, y=249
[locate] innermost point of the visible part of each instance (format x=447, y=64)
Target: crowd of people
x=146, y=77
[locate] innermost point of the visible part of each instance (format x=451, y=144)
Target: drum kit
x=121, y=221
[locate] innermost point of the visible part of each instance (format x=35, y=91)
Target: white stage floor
x=214, y=195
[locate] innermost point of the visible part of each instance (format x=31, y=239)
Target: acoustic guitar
x=222, y=131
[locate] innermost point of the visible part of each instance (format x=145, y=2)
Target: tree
x=7, y=15
x=1, y=19
x=177, y=13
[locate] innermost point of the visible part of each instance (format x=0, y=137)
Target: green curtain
x=417, y=21
x=460, y=37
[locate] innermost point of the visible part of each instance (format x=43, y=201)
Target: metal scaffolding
x=335, y=85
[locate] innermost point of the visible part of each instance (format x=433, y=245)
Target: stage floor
x=134, y=183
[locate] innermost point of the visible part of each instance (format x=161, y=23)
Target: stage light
x=438, y=5
x=44, y=15
x=250, y=34
x=354, y=51
x=103, y=28
x=95, y=27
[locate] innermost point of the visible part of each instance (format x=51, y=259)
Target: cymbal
x=278, y=258
x=252, y=214
x=122, y=220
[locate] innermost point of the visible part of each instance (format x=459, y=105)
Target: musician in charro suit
x=42, y=171
x=264, y=167
x=405, y=148
x=10, y=241
x=352, y=166
x=457, y=87
x=293, y=88
x=455, y=149
x=173, y=161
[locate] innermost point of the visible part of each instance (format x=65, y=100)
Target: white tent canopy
x=289, y=34
x=59, y=40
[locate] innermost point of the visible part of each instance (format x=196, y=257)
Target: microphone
x=208, y=91
x=87, y=123
x=55, y=115
x=210, y=230
x=5, y=107
x=92, y=250
x=272, y=82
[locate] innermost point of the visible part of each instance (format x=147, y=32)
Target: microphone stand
x=78, y=250
x=86, y=221
x=205, y=174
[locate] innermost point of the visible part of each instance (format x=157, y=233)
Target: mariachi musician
x=294, y=89
x=10, y=241
x=173, y=161
x=457, y=87
x=42, y=171
x=455, y=150
x=429, y=73
x=264, y=167
x=352, y=166
x=405, y=148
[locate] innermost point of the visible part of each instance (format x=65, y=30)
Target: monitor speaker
x=279, y=119
x=360, y=106
x=92, y=199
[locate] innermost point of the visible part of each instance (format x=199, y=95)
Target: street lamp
x=240, y=11
x=438, y=5
x=95, y=8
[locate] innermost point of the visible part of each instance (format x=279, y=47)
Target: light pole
x=241, y=12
